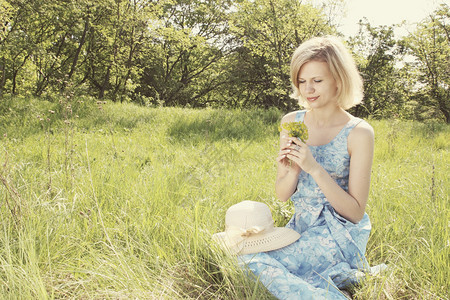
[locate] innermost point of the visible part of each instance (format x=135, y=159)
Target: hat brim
x=278, y=238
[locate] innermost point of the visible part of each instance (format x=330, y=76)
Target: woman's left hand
x=301, y=155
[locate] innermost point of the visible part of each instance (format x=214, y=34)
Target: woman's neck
x=323, y=118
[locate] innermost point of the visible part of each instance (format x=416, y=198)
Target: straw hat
x=249, y=229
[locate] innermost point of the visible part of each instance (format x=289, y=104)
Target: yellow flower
x=295, y=129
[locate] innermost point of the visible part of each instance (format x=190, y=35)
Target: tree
x=115, y=43
x=430, y=45
x=174, y=52
x=6, y=13
x=16, y=46
x=266, y=34
x=189, y=43
x=376, y=52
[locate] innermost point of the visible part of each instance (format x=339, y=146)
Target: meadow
x=117, y=201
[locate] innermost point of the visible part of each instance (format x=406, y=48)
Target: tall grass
x=409, y=208
x=120, y=201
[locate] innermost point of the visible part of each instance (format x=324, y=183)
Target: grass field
x=117, y=201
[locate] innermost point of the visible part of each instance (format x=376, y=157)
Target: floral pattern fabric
x=330, y=252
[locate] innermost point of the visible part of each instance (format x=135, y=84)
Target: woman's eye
x=318, y=80
x=301, y=81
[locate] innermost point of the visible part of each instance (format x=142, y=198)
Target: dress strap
x=300, y=116
x=351, y=124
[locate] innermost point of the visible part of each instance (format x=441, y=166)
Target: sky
x=386, y=12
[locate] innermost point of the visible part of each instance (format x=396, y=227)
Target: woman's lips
x=312, y=98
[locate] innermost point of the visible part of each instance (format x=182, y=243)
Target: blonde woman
x=327, y=177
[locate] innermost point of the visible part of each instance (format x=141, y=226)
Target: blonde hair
x=331, y=50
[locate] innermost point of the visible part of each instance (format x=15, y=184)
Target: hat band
x=233, y=231
x=237, y=235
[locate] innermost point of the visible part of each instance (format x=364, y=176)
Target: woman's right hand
x=282, y=158
x=287, y=171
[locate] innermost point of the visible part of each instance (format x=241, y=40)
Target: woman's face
x=317, y=85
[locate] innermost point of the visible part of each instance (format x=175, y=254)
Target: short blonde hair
x=331, y=50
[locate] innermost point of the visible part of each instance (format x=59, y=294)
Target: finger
x=297, y=148
x=293, y=147
x=293, y=154
x=284, y=153
x=284, y=138
x=284, y=146
x=297, y=141
x=292, y=157
x=287, y=147
x=288, y=142
x=280, y=158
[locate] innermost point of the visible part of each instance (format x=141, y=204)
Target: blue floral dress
x=330, y=252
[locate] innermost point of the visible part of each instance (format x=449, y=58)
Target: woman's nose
x=309, y=88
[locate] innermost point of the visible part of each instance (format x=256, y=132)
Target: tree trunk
x=3, y=76
x=104, y=85
x=77, y=53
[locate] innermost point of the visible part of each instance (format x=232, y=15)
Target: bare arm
x=287, y=172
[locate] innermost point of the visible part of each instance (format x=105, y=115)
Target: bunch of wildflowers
x=296, y=129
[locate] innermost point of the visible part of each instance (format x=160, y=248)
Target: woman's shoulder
x=290, y=117
x=362, y=133
x=363, y=128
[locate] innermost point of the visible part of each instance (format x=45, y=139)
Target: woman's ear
x=338, y=87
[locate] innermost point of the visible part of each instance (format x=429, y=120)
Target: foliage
x=184, y=59
x=225, y=53
x=173, y=53
x=406, y=78
x=266, y=34
x=376, y=51
x=89, y=44
x=430, y=46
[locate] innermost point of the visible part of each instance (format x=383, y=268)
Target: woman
x=327, y=177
